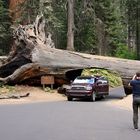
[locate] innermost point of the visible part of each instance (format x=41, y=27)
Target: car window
x=103, y=80
x=84, y=80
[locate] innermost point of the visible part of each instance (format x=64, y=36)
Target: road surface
x=63, y=120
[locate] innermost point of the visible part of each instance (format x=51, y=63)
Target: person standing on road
x=135, y=83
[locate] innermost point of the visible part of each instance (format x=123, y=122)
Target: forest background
x=101, y=27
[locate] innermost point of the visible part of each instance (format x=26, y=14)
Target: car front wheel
x=93, y=97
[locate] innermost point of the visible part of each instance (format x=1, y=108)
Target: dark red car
x=88, y=87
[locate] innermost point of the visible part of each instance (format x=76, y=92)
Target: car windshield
x=84, y=80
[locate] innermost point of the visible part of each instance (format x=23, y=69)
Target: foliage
x=48, y=89
x=85, y=39
x=5, y=30
x=113, y=77
x=55, y=14
x=109, y=12
x=123, y=52
x=6, y=89
x=119, y=18
x=131, y=17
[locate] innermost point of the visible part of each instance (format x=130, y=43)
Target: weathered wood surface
x=2, y=60
x=34, y=55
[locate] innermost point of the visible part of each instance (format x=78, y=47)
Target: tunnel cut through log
x=34, y=55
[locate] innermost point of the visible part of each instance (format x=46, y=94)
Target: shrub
x=123, y=52
x=113, y=77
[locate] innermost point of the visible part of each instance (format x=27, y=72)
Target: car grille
x=78, y=88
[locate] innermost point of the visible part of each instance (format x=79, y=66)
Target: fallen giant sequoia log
x=34, y=55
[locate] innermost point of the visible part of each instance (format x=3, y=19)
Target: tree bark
x=70, y=33
x=13, y=4
x=34, y=55
x=101, y=37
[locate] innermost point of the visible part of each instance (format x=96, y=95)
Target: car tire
x=93, y=96
x=69, y=98
x=103, y=97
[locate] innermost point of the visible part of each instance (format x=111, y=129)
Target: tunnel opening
x=113, y=76
x=71, y=75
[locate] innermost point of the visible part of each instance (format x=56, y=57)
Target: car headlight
x=88, y=87
x=69, y=87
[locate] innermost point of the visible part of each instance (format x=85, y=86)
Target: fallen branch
x=14, y=96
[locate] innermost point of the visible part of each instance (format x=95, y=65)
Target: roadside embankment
x=124, y=103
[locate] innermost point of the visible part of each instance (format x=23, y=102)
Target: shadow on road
x=116, y=93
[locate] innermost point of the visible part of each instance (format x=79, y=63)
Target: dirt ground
x=37, y=94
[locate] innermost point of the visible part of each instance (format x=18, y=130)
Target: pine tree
x=132, y=21
x=5, y=31
x=85, y=39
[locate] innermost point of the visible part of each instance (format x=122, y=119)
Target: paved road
x=63, y=120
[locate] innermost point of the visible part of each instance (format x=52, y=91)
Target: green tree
x=109, y=13
x=131, y=10
x=55, y=12
x=60, y=23
x=100, y=26
x=5, y=30
x=85, y=39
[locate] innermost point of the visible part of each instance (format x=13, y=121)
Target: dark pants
x=136, y=105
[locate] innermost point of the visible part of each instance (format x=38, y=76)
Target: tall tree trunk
x=101, y=36
x=70, y=33
x=13, y=6
x=138, y=31
x=131, y=32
